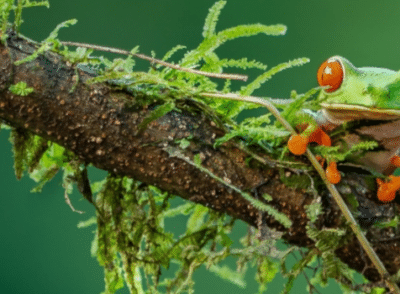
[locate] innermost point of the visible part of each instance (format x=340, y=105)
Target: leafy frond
x=49, y=43
x=254, y=134
x=338, y=154
x=251, y=30
x=327, y=241
x=242, y=63
x=171, y=52
x=212, y=18
x=6, y=6
x=249, y=89
x=80, y=56
x=26, y=4
x=208, y=45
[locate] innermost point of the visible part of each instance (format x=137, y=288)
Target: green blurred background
x=41, y=249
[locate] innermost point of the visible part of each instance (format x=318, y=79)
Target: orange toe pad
x=297, y=144
x=387, y=190
x=320, y=137
x=332, y=173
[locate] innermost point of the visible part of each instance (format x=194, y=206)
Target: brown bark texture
x=100, y=125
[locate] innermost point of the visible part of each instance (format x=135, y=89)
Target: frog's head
x=369, y=92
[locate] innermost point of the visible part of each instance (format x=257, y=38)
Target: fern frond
x=49, y=43
x=243, y=63
x=251, y=30
x=254, y=134
x=249, y=89
x=212, y=18
x=239, y=63
x=213, y=42
x=257, y=121
x=172, y=51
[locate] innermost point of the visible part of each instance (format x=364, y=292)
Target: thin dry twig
x=237, y=77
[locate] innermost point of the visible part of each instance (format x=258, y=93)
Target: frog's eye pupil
x=330, y=73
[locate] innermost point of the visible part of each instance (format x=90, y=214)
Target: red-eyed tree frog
x=350, y=93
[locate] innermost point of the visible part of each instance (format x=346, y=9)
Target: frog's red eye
x=330, y=73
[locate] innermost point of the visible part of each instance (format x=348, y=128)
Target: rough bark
x=100, y=125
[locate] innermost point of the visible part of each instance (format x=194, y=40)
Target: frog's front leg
x=316, y=123
x=387, y=189
x=312, y=124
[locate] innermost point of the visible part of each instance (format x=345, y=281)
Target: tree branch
x=101, y=125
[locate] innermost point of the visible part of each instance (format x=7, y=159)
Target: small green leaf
x=21, y=89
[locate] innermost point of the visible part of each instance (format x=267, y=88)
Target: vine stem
x=332, y=189
x=237, y=77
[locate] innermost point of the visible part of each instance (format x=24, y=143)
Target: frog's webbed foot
x=387, y=189
x=298, y=143
x=332, y=173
